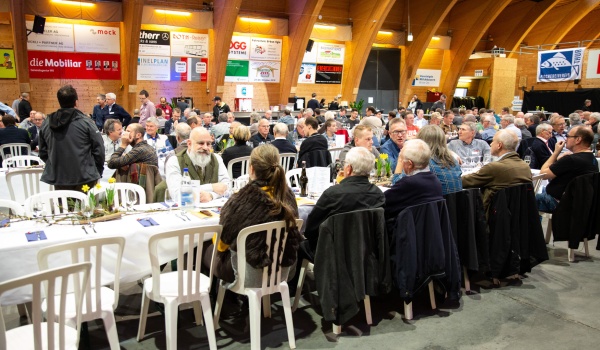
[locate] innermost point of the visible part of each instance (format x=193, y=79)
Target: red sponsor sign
x=72, y=65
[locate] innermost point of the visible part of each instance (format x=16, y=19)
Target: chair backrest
x=14, y=149
x=287, y=160
x=13, y=206
x=121, y=193
x=276, y=236
x=105, y=256
x=21, y=161
x=182, y=242
x=26, y=179
x=56, y=202
x=537, y=181
x=335, y=153
x=49, y=283
x=245, y=166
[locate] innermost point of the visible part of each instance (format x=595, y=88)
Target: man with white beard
x=202, y=165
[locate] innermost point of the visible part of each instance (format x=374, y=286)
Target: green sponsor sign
x=237, y=68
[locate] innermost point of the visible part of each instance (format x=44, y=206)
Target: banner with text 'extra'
x=560, y=65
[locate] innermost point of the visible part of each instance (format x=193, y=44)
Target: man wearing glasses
x=558, y=131
x=561, y=170
x=397, y=136
x=147, y=109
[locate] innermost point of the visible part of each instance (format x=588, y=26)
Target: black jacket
x=24, y=109
x=284, y=146
x=118, y=112
x=236, y=151
x=516, y=239
x=12, y=134
x=33, y=133
x=352, y=260
x=311, y=150
x=313, y=104
x=72, y=148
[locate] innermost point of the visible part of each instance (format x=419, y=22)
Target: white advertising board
x=189, y=44
x=330, y=53
x=154, y=68
x=96, y=39
x=56, y=37
x=265, y=49
x=264, y=71
x=239, y=48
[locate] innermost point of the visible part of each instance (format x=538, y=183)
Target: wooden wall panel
x=265, y=95
x=484, y=64
x=336, y=11
x=503, y=80
x=326, y=91
x=265, y=8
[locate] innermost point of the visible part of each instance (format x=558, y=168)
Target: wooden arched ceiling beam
x=514, y=23
x=302, y=17
x=559, y=21
x=130, y=30
x=423, y=28
x=367, y=16
x=586, y=29
x=225, y=14
x=469, y=20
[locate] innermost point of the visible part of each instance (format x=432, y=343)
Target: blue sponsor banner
x=560, y=65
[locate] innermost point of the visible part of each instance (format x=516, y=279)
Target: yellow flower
x=383, y=156
x=85, y=188
x=98, y=186
x=112, y=180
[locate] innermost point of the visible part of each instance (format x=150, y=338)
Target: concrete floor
x=557, y=306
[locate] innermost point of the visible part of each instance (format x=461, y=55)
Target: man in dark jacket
x=283, y=145
x=71, y=145
x=11, y=134
x=220, y=107
x=24, y=107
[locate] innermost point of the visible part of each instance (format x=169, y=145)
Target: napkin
x=34, y=236
x=5, y=223
x=147, y=222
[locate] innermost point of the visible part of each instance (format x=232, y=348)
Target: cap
x=217, y=98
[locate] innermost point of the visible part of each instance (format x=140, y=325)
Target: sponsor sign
x=307, y=74
x=330, y=53
x=560, y=65
x=237, y=71
x=189, y=44
x=264, y=71
x=189, y=69
x=7, y=67
x=593, y=64
x=239, y=48
x=154, y=43
x=96, y=39
x=427, y=77
x=154, y=68
x=56, y=37
x=329, y=74
x=71, y=65
x=265, y=49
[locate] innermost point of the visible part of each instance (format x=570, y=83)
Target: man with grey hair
x=520, y=123
x=111, y=137
x=113, y=110
x=221, y=128
x=283, y=145
x=417, y=184
x=538, y=149
x=230, y=117
x=508, y=123
x=100, y=111
x=489, y=130
x=153, y=138
x=467, y=145
x=574, y=120
x=308, y=112
x=593, y=120
x=254, y=118
x=182, y=134
x=508, y=170
x=354, y=192
x=287, y=118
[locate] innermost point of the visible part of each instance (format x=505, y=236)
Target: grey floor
x=557, y=306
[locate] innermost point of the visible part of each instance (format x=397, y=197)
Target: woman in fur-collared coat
x=266, y=198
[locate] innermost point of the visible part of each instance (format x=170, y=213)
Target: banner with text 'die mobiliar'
x=72, y=65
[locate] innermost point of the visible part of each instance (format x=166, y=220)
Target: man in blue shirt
x=397, y=136
x=100, y=111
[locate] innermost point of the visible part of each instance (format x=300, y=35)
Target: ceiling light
x=323, y=26
x=464, y=80
x=436, y=38
x=384, y=32
x=255, y=20
x=74, y=3
x=176, y=13
x=410, y=37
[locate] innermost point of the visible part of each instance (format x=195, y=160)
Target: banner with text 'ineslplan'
x=560, y=65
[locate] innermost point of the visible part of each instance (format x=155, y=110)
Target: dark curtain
x=562, y=102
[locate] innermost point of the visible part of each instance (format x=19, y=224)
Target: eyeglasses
x=561, y=124
x=571, y=136
x=398, y=132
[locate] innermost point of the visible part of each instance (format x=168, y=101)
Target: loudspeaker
x=576, y=81
x=309, y=45
x=39, y=23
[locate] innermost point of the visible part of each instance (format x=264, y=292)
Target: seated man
x=397, y=137
x=34, y=131
x=262, y=136
x=508, y=123
x=561, y=171
x=558, y=131
x=140, y=152
x=182, y=134
x=508, y=170
x=363, y=137
x=467, y=145
x=152, y=137
x=172, y=123
x=539, y=150
x=281, y=143
x=313, y=143
x=112, y=135
x=202, y=165
x=354, y=192
x=418, y=186
x=488, y=128
x=11, y=134
x=221, y=128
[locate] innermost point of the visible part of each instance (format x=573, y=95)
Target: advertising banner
x=155, y=43
x=97, y=39
x=236, y=71
x=56, y=37
x=239, y=48
x=189, y=69
x=71, y=65
x=427, y=77
x=308, y=71
x=7, y=68
x=154, y=68
x=331, y=53
x=329, y=74
x=265, y=49
x=560, y=65
x=189, y=44
x=593, y=65
x=264, y=71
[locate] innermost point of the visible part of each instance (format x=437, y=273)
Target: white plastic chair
x=54, y=333
x=14, y=149
x=100, y=301
x=121, y=192
x=25, y=181
x=287, y=160
x=56, y=202
x=181, y=286
x=335, y=153
x=271, y=283
x=21, y=161
x=245, y=166
x=15, y=207
x=537, y=181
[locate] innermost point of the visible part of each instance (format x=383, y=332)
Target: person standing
x=69, y=137
x=24, y=106
x=99, y=112
x=313, y=103
x=166, y=108
x=113, y=110
x=220, y=107
x=147, y=109
x=441, y=104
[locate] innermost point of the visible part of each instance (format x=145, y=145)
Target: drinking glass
x=487, y=159
x=527, y=159
x=87, y=212
x=131, y=198
x=37, y=209
x=170, y=199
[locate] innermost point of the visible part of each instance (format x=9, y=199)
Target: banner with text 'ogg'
x=560, y=65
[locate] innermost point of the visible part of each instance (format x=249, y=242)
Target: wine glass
x=87, y=212
x=487, y=159
x=527, y=159
x=37, y=209
x=170, y=199
x=131, y=198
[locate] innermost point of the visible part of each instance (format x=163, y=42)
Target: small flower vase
x=388, y=169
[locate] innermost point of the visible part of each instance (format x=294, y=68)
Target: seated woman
x=241, y=134
x=266, y=198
